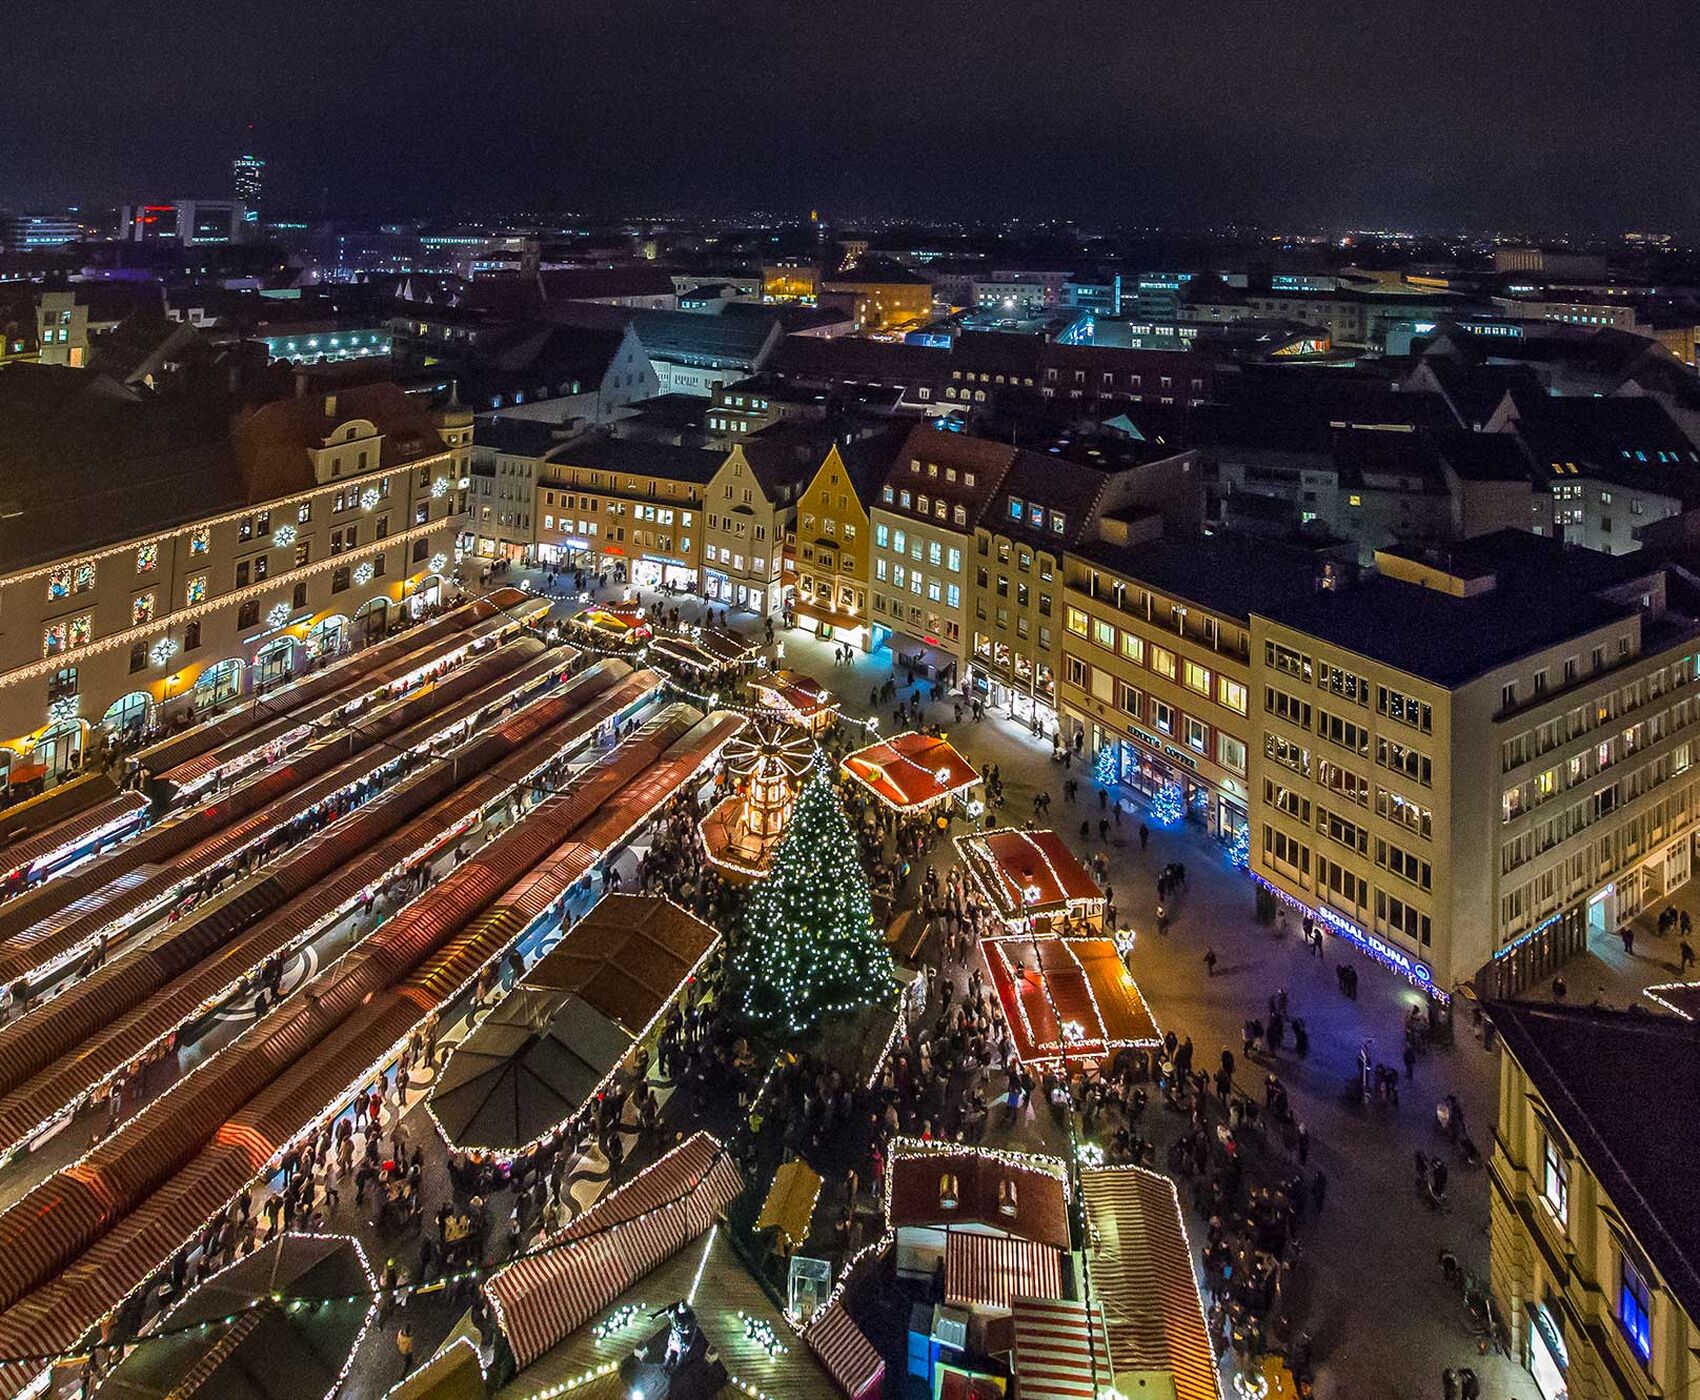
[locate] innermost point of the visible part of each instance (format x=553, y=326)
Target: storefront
x=1549, y=1358
x=1150, y=767
x=372, y=618
x=129, y=713
x=59, y=750
x=217, y=684
x=567, y=554
x=427, y=594
x=657, y=571
x=327, y=637
x=274, y=663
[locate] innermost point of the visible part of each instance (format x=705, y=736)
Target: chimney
x=330, y=405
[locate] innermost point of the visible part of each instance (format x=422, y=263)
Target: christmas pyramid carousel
x=766, y=766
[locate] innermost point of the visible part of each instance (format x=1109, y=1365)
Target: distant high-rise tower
x=248, y=176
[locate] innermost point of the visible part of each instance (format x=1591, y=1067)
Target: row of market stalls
x=995, y=1227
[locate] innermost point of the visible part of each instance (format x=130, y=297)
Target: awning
x=848, y=1356
x=542, y=1297
x=990, y=1271
x=1059, y=1353
x=20, y=855
x=790, y=1204
x=1142, y=1275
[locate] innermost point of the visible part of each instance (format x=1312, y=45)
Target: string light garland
x=616, y=1321
x=760, y=1331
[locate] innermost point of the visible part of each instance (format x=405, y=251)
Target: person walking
x=1687, y=954
x=1144, y=835
x=404, y=1347
x=1209, y=962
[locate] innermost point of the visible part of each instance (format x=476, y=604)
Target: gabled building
x=834, y=538
x=750, y=511
x=929, y=504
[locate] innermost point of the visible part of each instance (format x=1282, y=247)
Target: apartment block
x=1472, y=762
x=159, y=560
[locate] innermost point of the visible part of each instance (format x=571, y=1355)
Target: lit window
x=197, y=590
x=147, y=558
x=1635, y=1310
x=141, y=609
x=1555, y=1180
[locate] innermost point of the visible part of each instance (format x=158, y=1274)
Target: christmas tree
x=809, y=944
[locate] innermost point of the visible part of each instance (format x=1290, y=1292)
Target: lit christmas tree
x=1169, y=805
x=809, y=944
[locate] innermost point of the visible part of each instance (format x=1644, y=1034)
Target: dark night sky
x=1424, y=113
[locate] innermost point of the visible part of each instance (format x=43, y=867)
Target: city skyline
x=1314, y=114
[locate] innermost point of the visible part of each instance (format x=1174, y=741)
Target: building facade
x=633, y=507
x=1384, y=708
x=319, y=519
x=1592, y=1272
x=929, y=504
x=834, y=543
x=751, y=510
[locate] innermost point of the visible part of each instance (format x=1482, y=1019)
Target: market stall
x=1068, y=995
x=797, y=699
x=912, y=772
x=1031, y=878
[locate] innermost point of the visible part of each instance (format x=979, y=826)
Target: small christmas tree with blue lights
x=1169, y=805
x=809, y=945
x=1239, y=850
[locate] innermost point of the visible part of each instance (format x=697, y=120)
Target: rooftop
x=1542, y=593
x=1232, y=575
x=599, y=452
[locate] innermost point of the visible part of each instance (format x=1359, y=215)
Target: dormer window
x=950, y=1191
x=1007, y=1204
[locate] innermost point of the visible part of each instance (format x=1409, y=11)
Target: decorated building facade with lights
x=208, y=559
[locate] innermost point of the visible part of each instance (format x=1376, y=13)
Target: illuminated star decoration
x=278, y=615
x=363, y=574
x=283, y=536
x=162, y=651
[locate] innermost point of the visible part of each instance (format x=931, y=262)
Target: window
x=147, y=558
x=1104, y=634
x=1230, y=752
x=1076, y=671
x=1286, y=660
x=298, y=597
x=339, y=579
x=1133, y=648
x=249, y=613
x=420, y=549
x=1163, y=716
x=1197, y=735
x=1197, y=678
x=1418, y=714
x=1287, y=707
x=1404, y=760
x=63, y=686
x=1076, y=618
x=1635, y=1308
x=1555, y=1179
x=198, y=541
x=1231, y=694
x=53, y=638
x=141, y=609
x=1163, y=662
x=196, y=591
x=1286, y=753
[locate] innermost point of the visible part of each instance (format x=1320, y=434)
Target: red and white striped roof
x=1059, y=1353
x=990, y=1271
